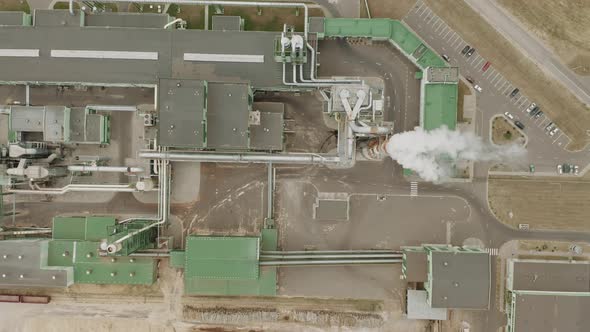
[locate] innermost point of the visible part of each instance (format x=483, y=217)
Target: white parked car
x=477, y=87
x=530, y=108
x=559, y=169
x=576, y=169
x=553, y=131
x=509, y=116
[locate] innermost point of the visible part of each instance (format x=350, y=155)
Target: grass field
x=544, y=203
x=564, y=25
x=558, y=103
x=14, y=5
x=500, y=127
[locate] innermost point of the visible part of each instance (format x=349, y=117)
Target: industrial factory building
x=204, y=110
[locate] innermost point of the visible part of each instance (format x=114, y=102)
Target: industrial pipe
x=178, y=20
x=109, y=169
x=76, y=188
x=330, y=262
x=290, y=158
x=29, y=232
x=330, y=256
x=72, y=7
x=111, y=108
x=323, y=252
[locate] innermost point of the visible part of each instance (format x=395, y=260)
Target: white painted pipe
x=243, y=157
x=111, y=108
x=110, y=169
x=178, y=20
x=75, y=188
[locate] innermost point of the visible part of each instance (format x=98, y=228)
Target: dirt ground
x=559, y=104
x=387, y=8
x=564, y=25
x=542, y=202
x=14, y=5
x=463, y=91
x=504, y=132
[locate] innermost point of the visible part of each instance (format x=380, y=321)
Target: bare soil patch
x=504, y=132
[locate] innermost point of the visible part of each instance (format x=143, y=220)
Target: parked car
x=531, y=107
x=465, y=49
x=549, y=126
x=559, y=169
x=519, y=124
x=446, y=57
x=486, y=66
x=538, y=115
x=535, y=110
x=477, y=87
x=470, y=79
x=514, y=92
x=532, y=168
x=470, y=53
x=576, y=169
x=509, y=116
x=553, y=131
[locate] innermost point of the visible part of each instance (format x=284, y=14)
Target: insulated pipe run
x=75, y=188
x=243, y=158
x=178, y=20
x=323, y=252
x=108, y=169
x=331, y=262
x=328, y=256
x=227, y=3
x=29, y=232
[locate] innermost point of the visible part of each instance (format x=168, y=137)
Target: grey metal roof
x=56, y=18
x=268, y=134
x=558, y=276
x=128, y=20
x=550, y=313
x=182, y=107
x=77, y=124
x=226, y=23
x=460, y=279
x=418, y=308
x=316, y=24
x=228, y=109
x=48, y=120
x=170, y=46
x=416, y=265
x=11, y=18
x=30, y=266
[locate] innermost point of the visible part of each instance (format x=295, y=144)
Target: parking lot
x=495, y=95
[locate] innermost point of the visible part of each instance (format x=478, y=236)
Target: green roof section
x=269, y=239
x=440, y=105
x=222, y=257
x=382, y=28
x=81, y=228
x=177, y=259
x=216, y=265
x=76, y=243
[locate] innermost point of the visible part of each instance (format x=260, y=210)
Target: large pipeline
x=291, y=158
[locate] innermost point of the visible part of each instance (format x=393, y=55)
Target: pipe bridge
x=329, y=257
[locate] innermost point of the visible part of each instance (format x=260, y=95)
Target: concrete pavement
x=531, y=46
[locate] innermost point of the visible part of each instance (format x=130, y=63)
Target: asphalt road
x=544, y=151
x=531, y=46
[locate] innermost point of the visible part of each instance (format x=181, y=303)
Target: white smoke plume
x=433, y=153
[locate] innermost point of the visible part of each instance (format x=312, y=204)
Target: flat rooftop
x=182, y=108
x=440, y=105
x=556, y=276
x=228, y=107
x=551, y=313
x=460, y=279
x=130, y=56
